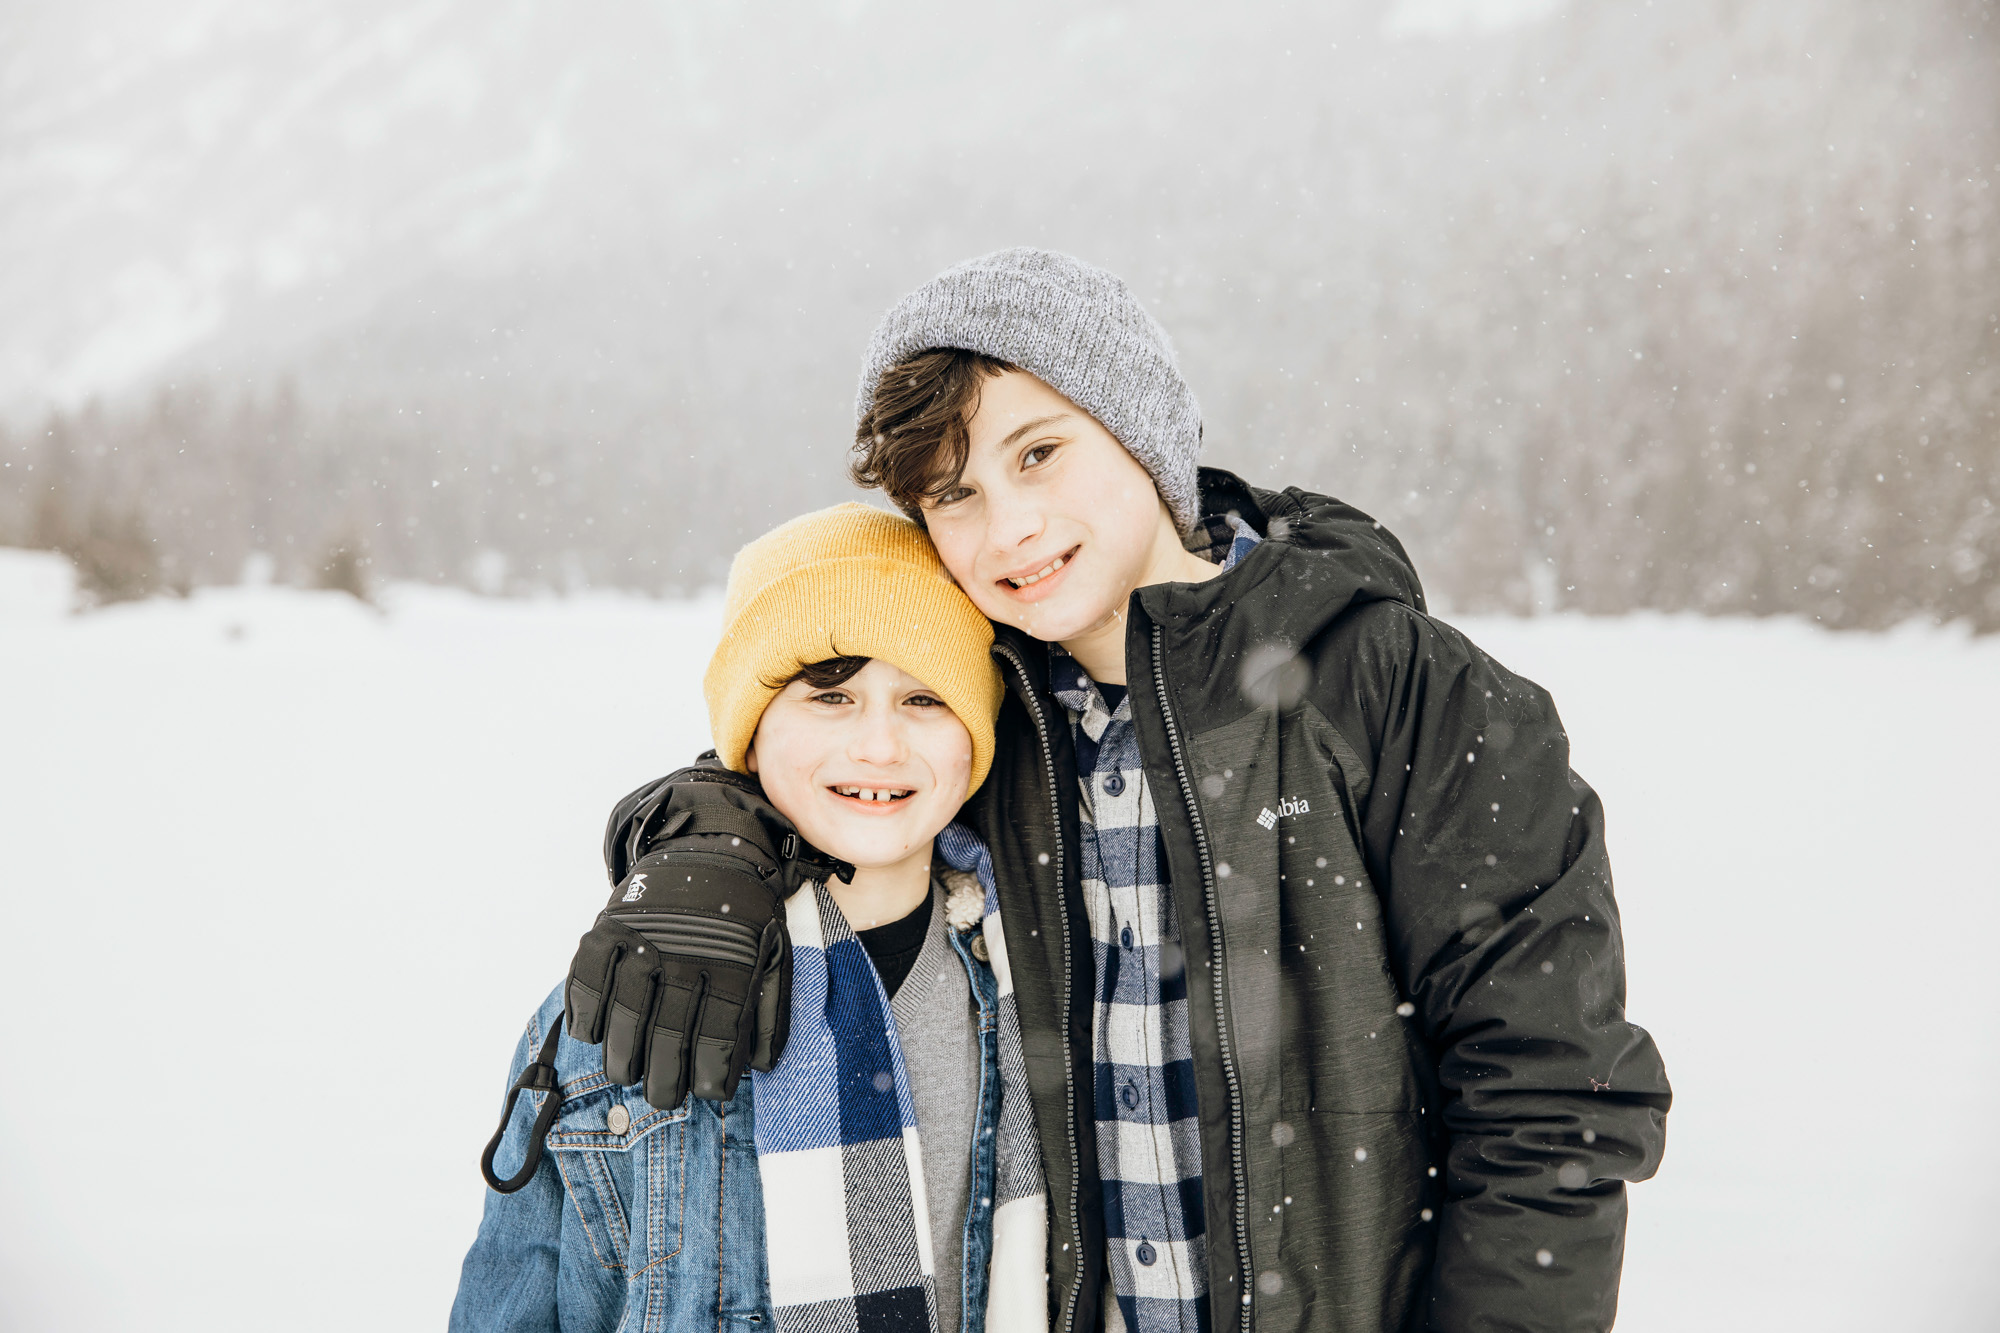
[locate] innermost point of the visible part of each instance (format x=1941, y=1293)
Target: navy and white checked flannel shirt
x=1148, y=1133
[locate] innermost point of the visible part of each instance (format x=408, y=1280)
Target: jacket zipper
x=1069, y=1073
x=1215, y=935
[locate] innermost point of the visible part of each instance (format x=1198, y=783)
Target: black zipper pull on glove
x=686, y=976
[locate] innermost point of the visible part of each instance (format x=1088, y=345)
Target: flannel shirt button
x=1130, y=1096
x=1114, y=784
x=1125, y=937
x=1146, y=1254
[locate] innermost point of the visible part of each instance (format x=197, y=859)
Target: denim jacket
x=650, y=1221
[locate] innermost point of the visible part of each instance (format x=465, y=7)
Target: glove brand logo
x=636, y=889
x=1267, y=818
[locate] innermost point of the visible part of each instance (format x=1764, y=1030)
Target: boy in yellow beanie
x=780, y=907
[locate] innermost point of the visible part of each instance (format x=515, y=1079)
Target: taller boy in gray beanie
x=1312, y=926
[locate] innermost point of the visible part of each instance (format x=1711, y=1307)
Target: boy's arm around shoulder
x=1489, y=856
x=508, y=1281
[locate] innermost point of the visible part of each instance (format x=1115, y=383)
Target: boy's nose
x=1011, y=522
x=877, y=741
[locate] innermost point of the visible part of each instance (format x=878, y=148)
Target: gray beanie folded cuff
x=1076, y=328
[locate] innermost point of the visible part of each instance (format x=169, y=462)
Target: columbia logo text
x=1268, y=818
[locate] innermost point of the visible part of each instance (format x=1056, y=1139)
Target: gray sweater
x=938, y=1024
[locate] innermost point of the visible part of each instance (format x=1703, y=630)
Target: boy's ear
x=750, y=757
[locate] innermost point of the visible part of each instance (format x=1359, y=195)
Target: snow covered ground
x=281, y=876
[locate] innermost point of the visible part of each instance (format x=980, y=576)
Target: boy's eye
x=926, y=701
x=830, y=697
x=952, y=496
x=1038, y=455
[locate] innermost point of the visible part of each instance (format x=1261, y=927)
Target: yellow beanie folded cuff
x=849, y=581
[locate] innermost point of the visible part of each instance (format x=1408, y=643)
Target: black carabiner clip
x=537, y=1077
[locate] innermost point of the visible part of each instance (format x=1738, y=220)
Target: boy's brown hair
x=912, y=441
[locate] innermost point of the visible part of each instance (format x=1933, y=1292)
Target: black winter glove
x=686, y=976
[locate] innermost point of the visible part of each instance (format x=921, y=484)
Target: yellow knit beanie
x=849, y=581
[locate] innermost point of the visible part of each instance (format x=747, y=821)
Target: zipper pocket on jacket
x=1069, y=1073
x=1215, y=949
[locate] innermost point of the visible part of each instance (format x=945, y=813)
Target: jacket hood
x=1320, y=559
x=1327, y=547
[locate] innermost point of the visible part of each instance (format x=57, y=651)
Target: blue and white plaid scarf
x=846, y=1223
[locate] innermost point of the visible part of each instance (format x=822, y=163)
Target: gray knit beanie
x=1076, y=328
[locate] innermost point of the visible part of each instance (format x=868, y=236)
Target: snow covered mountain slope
x=254, y=180
x=324, y=860
x=1678, y=306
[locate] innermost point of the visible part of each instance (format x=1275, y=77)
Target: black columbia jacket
x=1420, y=1100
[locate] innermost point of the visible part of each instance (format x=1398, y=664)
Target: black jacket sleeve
x=1489, y=855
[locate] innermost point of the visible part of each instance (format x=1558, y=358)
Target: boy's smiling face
x=868, y=770
x=1052, y=524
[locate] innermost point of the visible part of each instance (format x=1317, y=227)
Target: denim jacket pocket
x=606, y=1143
